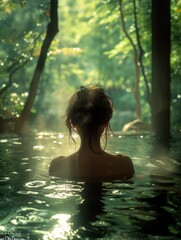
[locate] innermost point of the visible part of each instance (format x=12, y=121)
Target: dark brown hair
x=89, y=108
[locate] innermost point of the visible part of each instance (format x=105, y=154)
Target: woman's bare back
x=81, y=166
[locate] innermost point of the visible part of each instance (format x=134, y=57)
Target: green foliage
x=22, y=28
x=175, y=63
x=90, y=48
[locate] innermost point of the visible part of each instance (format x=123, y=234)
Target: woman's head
x=89, y=109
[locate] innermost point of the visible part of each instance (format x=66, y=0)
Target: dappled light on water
x=62, y=191
x=39, y=207
x=62, y=229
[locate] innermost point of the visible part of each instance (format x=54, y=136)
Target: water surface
x=33, y=206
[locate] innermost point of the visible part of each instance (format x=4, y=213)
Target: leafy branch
x=16, y=66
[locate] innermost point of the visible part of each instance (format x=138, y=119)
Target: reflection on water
x=33, y=206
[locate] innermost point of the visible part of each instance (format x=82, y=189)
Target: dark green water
x=32, y=206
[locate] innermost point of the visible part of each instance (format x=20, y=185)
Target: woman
x=89, y=112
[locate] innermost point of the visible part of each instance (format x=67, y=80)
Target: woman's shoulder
x=55, y=164
x=123, y=157
x=61, y=166
x=119, y=157
x=57, y=160
x=126, y=163
x=122, y=165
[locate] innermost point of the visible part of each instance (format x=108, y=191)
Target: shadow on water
x=90, y=211
x=159, y=220
x=112, y=210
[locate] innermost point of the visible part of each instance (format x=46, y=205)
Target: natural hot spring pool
x=32, y=206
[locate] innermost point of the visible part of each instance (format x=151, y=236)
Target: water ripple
x=35, y=184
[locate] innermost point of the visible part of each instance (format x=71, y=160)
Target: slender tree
x=52, y=30
x=136, y=62
x=141, y=52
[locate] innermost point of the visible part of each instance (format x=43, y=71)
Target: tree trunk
x=161, y=68
x=52, y=29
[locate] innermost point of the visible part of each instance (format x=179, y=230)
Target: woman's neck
x=87, y=148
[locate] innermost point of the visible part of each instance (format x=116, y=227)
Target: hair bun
x=89, y=106
x=84, y=117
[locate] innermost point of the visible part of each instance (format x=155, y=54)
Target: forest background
x=91, y=48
